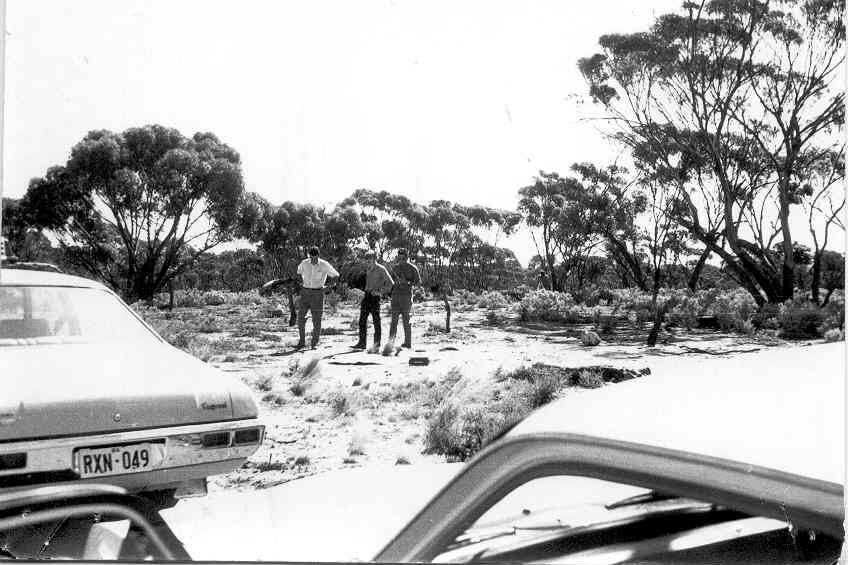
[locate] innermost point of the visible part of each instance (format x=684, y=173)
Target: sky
x=458, y=100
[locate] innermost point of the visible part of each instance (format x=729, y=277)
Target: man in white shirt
x=314, y=272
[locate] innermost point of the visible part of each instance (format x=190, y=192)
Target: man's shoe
x=359, y=345
x=314, y=345
x=407, y=345
x=300, y=345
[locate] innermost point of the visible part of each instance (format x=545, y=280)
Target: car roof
x=779, y=409
x=45, y=278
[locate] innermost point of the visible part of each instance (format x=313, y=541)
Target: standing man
x=406, y=277
x=314, y=272
x=378, y=283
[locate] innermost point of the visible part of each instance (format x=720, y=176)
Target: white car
x=92, y=394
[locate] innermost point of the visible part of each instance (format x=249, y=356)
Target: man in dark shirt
x=378, y=283
x=406, y=277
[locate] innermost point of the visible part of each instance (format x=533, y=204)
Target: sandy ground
x=356, y=408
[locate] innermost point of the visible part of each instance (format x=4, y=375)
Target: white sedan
x=92, y=394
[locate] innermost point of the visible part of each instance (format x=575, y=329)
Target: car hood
x=85, y=388
x=346, y=515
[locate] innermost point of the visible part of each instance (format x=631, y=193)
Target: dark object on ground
x=419, y=361
x=449, y=348
x=645, y=371
x=352, y=363
x=358, y=345
x=707, y=323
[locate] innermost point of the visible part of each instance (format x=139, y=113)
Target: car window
x=45, y=314
x=568, y=519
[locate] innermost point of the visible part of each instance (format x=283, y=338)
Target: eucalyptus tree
x=136, y=208
x=730, y=99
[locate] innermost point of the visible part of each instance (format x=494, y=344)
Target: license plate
x=118, y=460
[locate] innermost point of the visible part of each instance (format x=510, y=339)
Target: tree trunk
x=171, y=294
x=695, y=275
x=447, y=312
x=816, y=277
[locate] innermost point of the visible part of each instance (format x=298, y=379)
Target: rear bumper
x=186, y=458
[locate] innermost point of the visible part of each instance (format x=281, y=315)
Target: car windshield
x=565, y=519
x=34, y=315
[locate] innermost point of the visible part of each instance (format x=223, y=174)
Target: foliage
x=492, y=299
x=800, y=319
x=548, y=305
x=136, y=208
x=728, y=107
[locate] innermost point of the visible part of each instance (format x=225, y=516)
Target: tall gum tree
x=736, y=96
x=136, y=208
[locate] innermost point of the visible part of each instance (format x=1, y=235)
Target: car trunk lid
x=59, y=390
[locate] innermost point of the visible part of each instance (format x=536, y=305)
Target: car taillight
x=248, y=436
x=216, y=439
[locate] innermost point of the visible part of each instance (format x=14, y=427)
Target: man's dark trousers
x=370, y=305
x=312, y=301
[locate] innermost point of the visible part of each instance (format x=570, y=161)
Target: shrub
x=459, y=434
x=685, y=313
x=341, y=403
x=543, y=389
x=354, y=296
x=590, y=378
x=302, y=460
x=356, y=445
x=800, y=319
x=732, y=309
x=834, y=335
x=209, y=325
x=441, y=433
x=492, y=299
x=547, y=305
x=213, y=299
x=265, y=384
x=834, y=312
x=766, y=318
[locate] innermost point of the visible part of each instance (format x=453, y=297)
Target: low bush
x=214, y=299
x=492, y=299
x=547, y=305
x=834, y=335
x=354, y=296
x=800, y=319
x=590, y=378
x=460, y=433
x=834, y=312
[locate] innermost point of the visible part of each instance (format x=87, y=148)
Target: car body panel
x=783, y=409
x=108, y=387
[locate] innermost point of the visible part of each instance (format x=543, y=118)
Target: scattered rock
x=590, y=339
x=449, y=348
x=419, y=361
